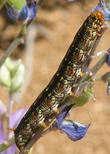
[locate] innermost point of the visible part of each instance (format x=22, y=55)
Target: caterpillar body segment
x=43, y=112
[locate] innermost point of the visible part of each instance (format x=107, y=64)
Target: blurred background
x=50, y=35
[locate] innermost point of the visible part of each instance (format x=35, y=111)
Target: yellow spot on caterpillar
x=99, y=15
x=56, y=110
x=42, y=124
x=81, y=74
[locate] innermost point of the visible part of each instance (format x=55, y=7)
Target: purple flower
x=13, y=122
x=16, y=117
x=74, y=130
x=2, y=136
x=27, y=13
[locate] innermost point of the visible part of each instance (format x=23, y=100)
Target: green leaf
x=18, y=79
x=17, y=4
x=5, y=79
x=85, y=96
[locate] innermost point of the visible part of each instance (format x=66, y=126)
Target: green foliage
x=85, y=96
x=17, y=4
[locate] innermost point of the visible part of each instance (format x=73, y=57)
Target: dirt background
x=60, y=23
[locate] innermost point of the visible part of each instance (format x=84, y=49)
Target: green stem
x=9, y=111
x=18, y=40
x=11, y=48
x=99, y=64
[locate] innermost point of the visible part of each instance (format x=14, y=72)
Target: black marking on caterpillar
x=43, y=112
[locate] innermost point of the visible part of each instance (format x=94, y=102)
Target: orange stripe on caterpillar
x=99, y=15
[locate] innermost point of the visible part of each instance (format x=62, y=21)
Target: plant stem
x=29, y=54
x=9, y=51
x=9, y=108
x=100, y=63
x=18, y=40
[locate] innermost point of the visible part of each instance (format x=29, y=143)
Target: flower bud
x=5, y=79
x=12, y=74
x=12, y=65
x=18, y=78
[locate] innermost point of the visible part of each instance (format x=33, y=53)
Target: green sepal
x=85, y=96
x=17, y=4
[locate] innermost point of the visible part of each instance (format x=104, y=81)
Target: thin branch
x=100, y=63
x=11, y=48
x=29, y=54
x=18, y=40
x=9, y=111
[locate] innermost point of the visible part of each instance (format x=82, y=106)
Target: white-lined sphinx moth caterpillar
x=43, y=112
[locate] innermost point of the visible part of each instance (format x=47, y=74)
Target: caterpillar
x=43, y=112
